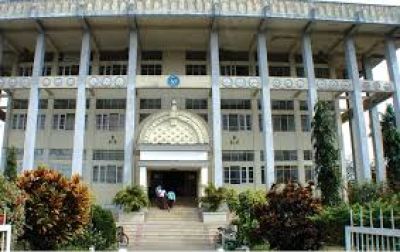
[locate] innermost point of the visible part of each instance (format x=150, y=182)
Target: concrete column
x=6, y=135
x=80, y=111
x=48, y=128
x=342, y=153
x=129, y=146
x=1, y=53
x=203, y=180
x=394, y=74
x=96, y=63
x=268, y=136
x=308, y=62
x=55, y=64
x=376, y=131
x=143, y=177
x=216, y=108
x=292, y=65
x=358, y=111
x=33, y=107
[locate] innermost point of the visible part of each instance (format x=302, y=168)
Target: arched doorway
x=173, y=152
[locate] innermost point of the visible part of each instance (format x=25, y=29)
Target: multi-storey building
x=187, y=92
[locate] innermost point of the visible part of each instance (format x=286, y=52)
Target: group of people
x=165, y=200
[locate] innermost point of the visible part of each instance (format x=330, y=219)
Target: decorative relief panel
x=106, y=81
x=288, y=83
x=255, y=82
x=377, y=86
x=15, y=82
x=175, y=127
x=58, y=82
x=333, y=85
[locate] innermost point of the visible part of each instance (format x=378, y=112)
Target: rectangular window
x=25, y=71
x=19, y=121
x=235, y=104
x=196, y=104
x=310, y=174
x=235, y=70
x=197, y=69
x=41, y=121
x=151, y=55
x=108, y=155
x=238, y=175
x=305, y=123
x=286, y=173
x=279, y=71
x=60, y=154
x=282, y=105
x=20, y=104
x=236, y=122
x=110, y=104
x=68, y=70
x=262, y=175
x=151, y=69
x=307, y=155
x=113, y=69
x=233, y=156
x=111, y=122
x=303, y=105
x=283, y=123
x=150, y=103
x=107, y=174
x=64, y=121
x=285, y=155
x=322, y=72
x=64, y=104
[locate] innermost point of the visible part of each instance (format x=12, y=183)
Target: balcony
x=290, y=9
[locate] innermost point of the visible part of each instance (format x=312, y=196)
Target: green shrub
x=232, y=199
x=285, y=220
x=213, y=198
x=131, y=198
x=12, y=202
x=363, y=193
x=10, y=171
x=246, y=218
x=56, y=208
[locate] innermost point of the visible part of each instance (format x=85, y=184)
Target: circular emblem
x=173, y=81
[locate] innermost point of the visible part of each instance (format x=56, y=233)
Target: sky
x=380, y=73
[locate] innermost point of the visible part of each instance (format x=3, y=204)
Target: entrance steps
x=179, y=229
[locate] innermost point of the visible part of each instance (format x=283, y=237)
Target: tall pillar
x=1, y=53
x=216, y=108
x=6, y=135
x=130, y=110
x=292, y=65
x=33, y=107
x=267, y=135
x=376, y=131
x=358, y=111
x=394, y=74
x=203, y=180
x=308, y=62
x=80, y=111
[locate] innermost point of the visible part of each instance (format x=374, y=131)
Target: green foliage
x=131, y=198
x=391, y=148
x=246, y=218
x=232, y=199
x=363, y=193
x=326, y=154
x=285, y=220
x=56, y=208
x=100, y=233
x=213, y=198
x=12, y=202
x=10, y=171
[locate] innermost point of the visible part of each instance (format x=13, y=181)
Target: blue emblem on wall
x=173, y=81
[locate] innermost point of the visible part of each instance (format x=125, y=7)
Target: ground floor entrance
x=183, y=183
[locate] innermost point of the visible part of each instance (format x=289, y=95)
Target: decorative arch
x=174, y=127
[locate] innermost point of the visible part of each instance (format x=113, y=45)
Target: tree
x=10, y=171
x=391, y=148
x=56, y=208
x=326, y=154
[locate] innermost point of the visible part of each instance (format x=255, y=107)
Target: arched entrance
x=173, y=152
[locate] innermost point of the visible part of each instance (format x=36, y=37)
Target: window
x=41, y=121
x=151, y=55
x=196, y=104
x=43, y=103
x=64, y=104
x=285, y=155
x=63, y=168
x=64, y=121
x=321, y=72
x=279, y=71
x=113, y=69
x=307, y=155
x=150, y=69
x=19, y=121
x=150, y=103
x=68, y=70
x=107, y=174
x=20, y=104
x=236, y=122
x=110, y=104
x=60, y=154
x=286, y=173
x=46, y=71
x=111, y=122
x=235, y=104
x=196, y=55
x=109, y=155
x=303, y=105
x=305, y=123
x=310, y=174
x=260, y=122
x=234, y=70
x=192, y=69
x=25, y=71
x=282, y=105
x=261, y=155
x=262, y=175
x=238, y=175
x=234, y=156
x=283, y=123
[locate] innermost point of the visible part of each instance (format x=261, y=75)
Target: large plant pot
x=132, y=217
x=215, y=217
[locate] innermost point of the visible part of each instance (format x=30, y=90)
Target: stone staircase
x=179, y=229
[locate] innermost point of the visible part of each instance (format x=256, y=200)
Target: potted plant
x=211, y=205
x=132, y=200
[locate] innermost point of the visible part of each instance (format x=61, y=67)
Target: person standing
x=171, y=199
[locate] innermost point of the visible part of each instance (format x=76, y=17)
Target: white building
x=169, y=91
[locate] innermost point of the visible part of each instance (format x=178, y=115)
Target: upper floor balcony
x=289, y=9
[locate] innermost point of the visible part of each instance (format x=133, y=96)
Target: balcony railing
x=295, y=9
x=194, y=82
